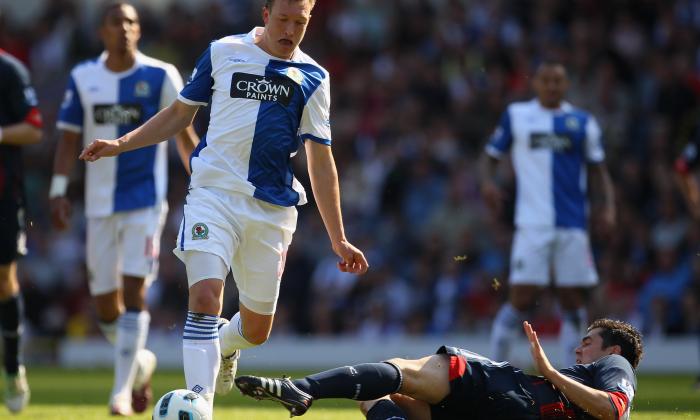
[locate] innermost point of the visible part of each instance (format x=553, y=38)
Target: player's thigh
x=103, y=254
x=259, y=261
x=573, y=260
x=531, y=256
x=206, y=229
x=139, y=237
x=413, y=408
x=426, y=379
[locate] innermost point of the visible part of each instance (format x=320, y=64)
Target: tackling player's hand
x=352, y=259
x=60, y=212
x=100, y=148
x=538, y=356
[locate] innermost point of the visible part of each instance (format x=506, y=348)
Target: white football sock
x=231, y=336
x=503, y=330
x=573, y=328
x=200, y=353
x=132, y=331
x=109, y=330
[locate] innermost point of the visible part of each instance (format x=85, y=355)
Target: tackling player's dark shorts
x=483, y=389
x=11, y=228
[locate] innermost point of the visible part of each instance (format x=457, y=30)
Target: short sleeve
x=615, y=377
x=315, y=121
x=70, y=116
x=198, y=89
x=172, y=85
x=20, y=96
x=502, y=138
x=594, y=142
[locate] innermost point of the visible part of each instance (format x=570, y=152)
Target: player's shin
x=132, y=331
x=505, y=327
x=200, y=353
x=362, y=382
x=11, y=324
x=573, y=327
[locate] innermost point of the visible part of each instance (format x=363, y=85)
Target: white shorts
x=251, y=236
x=125, y=243
x=537, y=252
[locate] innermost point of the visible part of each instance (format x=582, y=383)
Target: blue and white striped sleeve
x=198, y=89
x=70, y=116
x=502, y=138
x=315, y=121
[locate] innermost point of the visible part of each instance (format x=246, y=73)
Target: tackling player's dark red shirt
x=483, y=389
x=17, y=104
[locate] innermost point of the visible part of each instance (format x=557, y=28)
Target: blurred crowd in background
x=417, y=88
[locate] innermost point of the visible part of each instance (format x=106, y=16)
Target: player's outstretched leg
x=281, y=390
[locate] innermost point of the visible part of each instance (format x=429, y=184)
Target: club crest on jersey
x=142, y=89
x=572, y=123
x=295, y=74
x=262, y=88
x=200, y=231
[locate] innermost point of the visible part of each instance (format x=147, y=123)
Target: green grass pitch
x=82, y=394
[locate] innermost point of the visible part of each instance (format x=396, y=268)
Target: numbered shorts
x=13, y=241
x=539, y=252
x=125, y=243
x=250, y=236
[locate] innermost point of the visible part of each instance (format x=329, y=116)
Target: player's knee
x=204, y=301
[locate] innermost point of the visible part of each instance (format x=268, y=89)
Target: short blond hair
x=269, y=3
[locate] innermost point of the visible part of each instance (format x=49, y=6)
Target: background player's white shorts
x=566, y=251
x=125, y=243
x=251, y=236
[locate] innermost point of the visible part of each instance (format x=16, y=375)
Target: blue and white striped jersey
x=550, y=150
x=104, y=104
x=262, y=109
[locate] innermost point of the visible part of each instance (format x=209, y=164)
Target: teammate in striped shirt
x=553, y=146
x=268, y=98
x=124, y=197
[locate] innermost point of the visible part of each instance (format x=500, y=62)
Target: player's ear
x=616, y=349
x=265, y=14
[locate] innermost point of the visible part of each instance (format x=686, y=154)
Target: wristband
x=59, y=186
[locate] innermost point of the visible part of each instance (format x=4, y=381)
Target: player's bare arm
x=20, y=134
x=324, y=182
x=162, y=126
x=489, y=188
x=64, y=161
x=596, y=402
x=603, y=193
x=186, y=140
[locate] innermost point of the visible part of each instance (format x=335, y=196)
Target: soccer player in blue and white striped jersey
x=124, y=197
x=553, y=146
x=268, y=98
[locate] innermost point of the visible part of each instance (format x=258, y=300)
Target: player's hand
x=99, y=149
x=352, y=259
x=538, y=356
x=493, y=196
x=60, y=212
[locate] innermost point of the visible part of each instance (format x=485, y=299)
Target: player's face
x=121, y=30
x=591, y=348
x=285, y=25
x=550, y=84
